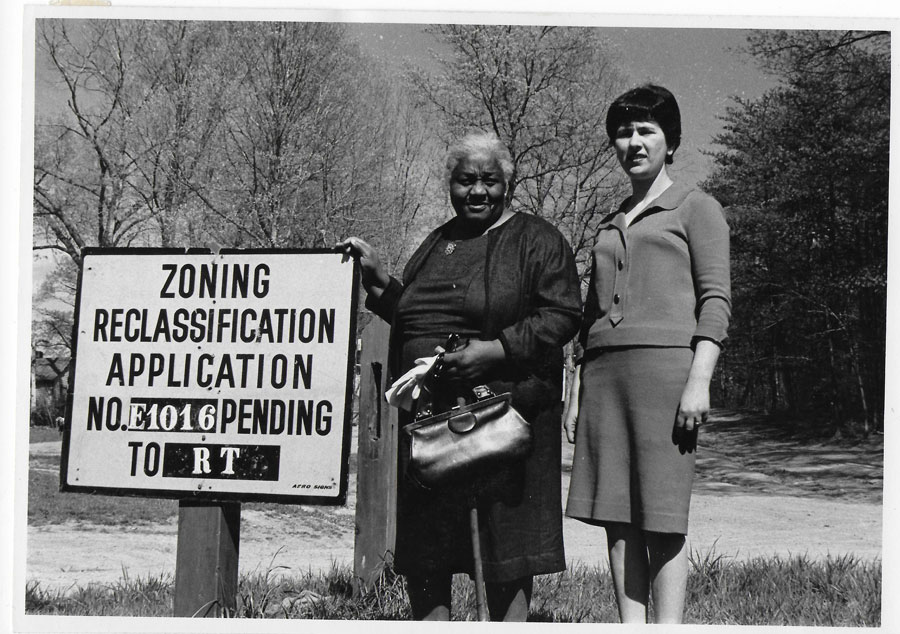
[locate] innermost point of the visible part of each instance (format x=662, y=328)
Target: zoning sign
x=222, y=375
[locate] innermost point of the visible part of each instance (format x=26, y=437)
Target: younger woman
x=656, y=313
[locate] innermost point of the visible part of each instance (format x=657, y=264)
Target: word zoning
x=248, y=325
x=236, y=280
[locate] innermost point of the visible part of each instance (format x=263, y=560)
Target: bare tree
x=115, y=167
x=175, y=140
x=312, y=136
x=163, y=133
x=81, y=162
x=52, y=315
x=543, y=90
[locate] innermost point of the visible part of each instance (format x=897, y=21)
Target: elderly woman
x=657, y=311
x=506, y=282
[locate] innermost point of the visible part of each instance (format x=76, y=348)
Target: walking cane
x=480, y=600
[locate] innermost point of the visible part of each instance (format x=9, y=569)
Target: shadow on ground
x=747, y=452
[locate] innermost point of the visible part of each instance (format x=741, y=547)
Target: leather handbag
x=458, y=444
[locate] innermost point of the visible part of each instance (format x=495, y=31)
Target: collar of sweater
x=671, y=198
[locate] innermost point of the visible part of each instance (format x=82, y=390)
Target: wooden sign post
x=206, y=563
x=212, y=378
x=376, y=488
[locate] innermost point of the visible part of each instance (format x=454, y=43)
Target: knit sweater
x=665, y=279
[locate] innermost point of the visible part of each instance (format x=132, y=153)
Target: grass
x=147, y=596
x=47, y=505
x=43, y=433
x=843, y=591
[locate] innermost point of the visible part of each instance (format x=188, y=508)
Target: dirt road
x=750, y=499
x=744, y=526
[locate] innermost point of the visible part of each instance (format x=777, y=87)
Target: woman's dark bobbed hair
x=647, y=103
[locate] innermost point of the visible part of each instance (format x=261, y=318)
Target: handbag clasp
x=462, y=423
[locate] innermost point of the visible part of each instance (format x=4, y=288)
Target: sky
x=703, y=68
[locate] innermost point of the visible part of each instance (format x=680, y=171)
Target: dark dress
x=528, y=289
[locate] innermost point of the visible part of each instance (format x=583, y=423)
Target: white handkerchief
x=405, y=390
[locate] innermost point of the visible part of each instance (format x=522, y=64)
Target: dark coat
x=533, y=306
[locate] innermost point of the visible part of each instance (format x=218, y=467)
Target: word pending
x=245, y=416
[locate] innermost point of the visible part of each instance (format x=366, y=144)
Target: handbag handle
x=482, y=392
x=431, y=379
x=424, y=404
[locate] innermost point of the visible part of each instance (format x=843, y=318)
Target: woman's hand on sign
x=374, y=278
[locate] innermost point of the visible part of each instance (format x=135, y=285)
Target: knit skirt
x=626, y=467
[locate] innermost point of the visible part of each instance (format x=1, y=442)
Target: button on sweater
x=664, y=280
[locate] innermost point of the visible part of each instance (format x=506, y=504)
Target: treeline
x=220, y=134
x=803, y=173
x=226, y=134
x=232, y=134
x=217, y=134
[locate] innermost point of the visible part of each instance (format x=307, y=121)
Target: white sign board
x=225, y=376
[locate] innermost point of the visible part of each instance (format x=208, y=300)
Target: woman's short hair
x=647, y=103
x=482, y=144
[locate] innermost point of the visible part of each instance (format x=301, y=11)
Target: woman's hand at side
x=374, y=278
x=694, y=406
x=474, y=361
x=570, y=416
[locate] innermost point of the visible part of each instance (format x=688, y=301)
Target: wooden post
x=376, y=488
x=206, y=563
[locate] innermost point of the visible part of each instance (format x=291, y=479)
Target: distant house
x=49, y=381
